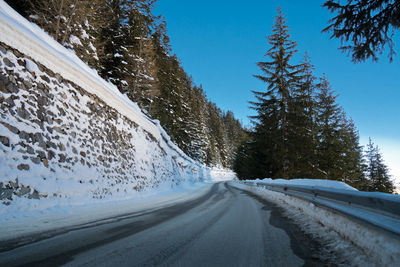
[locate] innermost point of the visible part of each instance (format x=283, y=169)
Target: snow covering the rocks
x=32, y=41
x=31, y=66
x=154, y=161
x=315, y=183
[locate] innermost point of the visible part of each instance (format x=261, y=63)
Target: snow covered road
x=224, y=227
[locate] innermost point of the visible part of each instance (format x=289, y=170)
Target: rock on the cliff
x=30, y=150
x=23, y=113
x=2, y=86
x=35, y=160
x=45, y=78
x=12, y=88
x=50, y=154
x=23, y=167
x=3, y=50
x=23, y=191
x=6, y=193
x=34, y=195
x=11, y=128
x=8, y=63
x=5, y=140
x=10, y=102
x=62, y=158
x=45, y=163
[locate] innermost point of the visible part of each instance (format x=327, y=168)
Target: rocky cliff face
x=58, y=140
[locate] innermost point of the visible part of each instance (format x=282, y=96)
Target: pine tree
x=338, y=152
x=70, y=22
x=301, y=117
x=141, y=71
x=366, y=26
x=244, y=163
x=273, y=105
x=217, y=150
x=377, y=172
x=329, y=124
x=197, y=119
x=351, y=165
x=235, y=136
x=113, y=43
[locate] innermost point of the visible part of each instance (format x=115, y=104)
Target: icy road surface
x=224, y=227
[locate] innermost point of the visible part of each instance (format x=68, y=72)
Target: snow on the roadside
x=316, y=183
x=220, y=174
x=61, y=213
x=330, y=185
x=358, y=243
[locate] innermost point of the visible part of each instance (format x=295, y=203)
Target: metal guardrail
x=383, y=207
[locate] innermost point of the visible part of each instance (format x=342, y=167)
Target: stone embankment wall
x=58, y=140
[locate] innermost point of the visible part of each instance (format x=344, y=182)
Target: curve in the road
x=225, y=227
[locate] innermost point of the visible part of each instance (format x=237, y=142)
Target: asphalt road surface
x=225, y=227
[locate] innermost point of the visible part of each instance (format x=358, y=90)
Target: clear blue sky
x=219, y=42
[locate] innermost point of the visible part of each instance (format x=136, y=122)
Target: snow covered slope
x=66, y=134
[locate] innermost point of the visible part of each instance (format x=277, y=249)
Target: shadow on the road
x=302, y=244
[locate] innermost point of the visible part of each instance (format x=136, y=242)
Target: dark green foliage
x=329, y=122
x=21, y=6
x=112, y=39
x=377, y=173
x=273, y=106
x=302, y=126
x=248, y=160
x=338, y=152
x=300, y=131
x=364, y=27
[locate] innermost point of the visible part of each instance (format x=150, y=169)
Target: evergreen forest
x=299, y=130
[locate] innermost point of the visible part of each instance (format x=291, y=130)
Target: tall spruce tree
x=351, y=168
x=113, y=42
x=338, y=152
x=329, y=125
x=301, y=117
x=273, y=104
x=141, y=71
x=235, y=136
x=377, y=172
x=197, y=121
x=328, y=120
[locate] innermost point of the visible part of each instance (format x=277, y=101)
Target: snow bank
x=219, y=174
x=16, y=222
x=360, y=243
x=315, y=183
